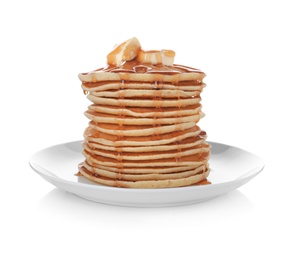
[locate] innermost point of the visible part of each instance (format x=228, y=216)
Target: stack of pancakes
x=142, y=131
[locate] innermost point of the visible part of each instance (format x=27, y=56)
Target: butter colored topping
x=124, y=52
x=131, y=49
x=164, y=57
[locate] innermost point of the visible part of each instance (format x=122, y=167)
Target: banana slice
x=126, y=51
x=131, y=49
x=165, y=57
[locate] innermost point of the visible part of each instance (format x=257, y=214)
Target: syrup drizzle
x=134, y=66
x=121, y=117
x=157, y=100
x=179, y=148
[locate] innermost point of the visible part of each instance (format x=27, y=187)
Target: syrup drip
x=204, y=182
x=121, y=114
x=80, y=165
x=94, y=172
x=119, y=164
x=121, y=117
x=178, y=155
x=120, y=137
x=122, y=85
x=178, y=159
x=158, y=86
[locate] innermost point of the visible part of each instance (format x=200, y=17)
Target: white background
x=247, y=50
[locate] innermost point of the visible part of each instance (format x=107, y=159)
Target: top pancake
x=135, y=71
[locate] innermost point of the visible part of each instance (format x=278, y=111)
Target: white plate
x=231, y=167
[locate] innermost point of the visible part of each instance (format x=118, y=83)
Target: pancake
x=144, y=184
x=140, y=112
x=128, y=72
x=94, y=136
x=141, y=93
x=129, y=120
x=116, y=85
x=156, y=154
x=157, y=102
x=141, y=177
x=143, y=129
x=183, y=144
x=193, y=159
x=136, y=130
x=145, y=170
